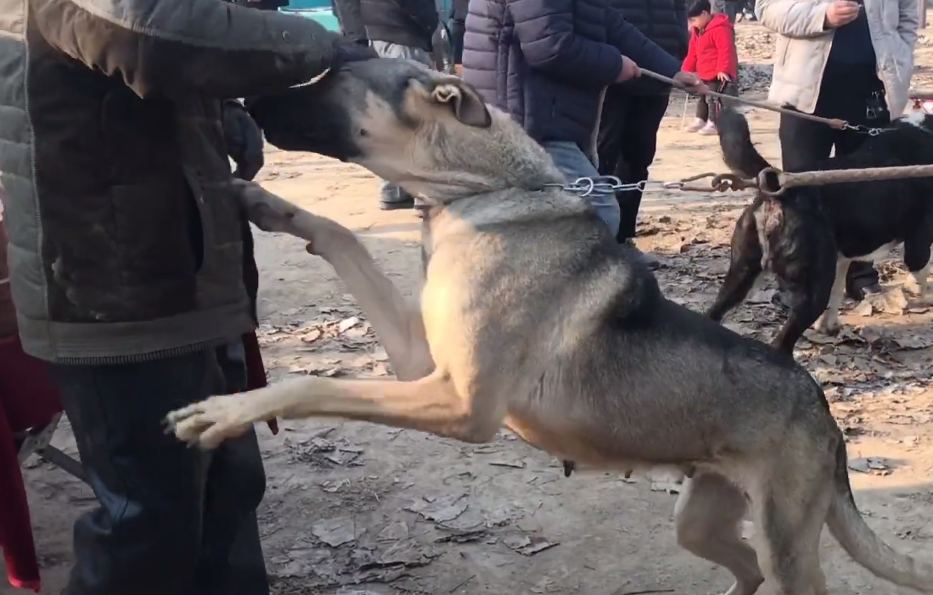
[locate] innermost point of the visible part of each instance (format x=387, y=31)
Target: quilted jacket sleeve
x=178, y=47
x=545, y=30
x=632, y=43
x=690, y=62
x=793, y=18
x=424, y=15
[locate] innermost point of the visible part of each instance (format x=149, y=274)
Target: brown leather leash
x=831, y=122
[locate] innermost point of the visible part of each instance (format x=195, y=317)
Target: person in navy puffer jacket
x=548, y=62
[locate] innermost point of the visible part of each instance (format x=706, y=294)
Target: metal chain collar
x=862, y=129
x=600, y=184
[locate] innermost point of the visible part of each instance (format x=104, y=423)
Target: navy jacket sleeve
x=424, y=14
x=680, y=10
x=632, y=43
x=545, y=30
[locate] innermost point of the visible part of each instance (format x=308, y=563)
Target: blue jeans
x=571, y=162
x=172, y=519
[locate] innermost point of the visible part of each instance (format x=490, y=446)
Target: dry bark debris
x=320, y=451
x=873, y=465
x=528, y=545
x=350, y=332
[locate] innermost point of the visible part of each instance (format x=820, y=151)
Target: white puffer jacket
x=803, y=48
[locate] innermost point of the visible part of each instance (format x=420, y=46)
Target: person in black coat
x=458, y=15
x=349, y=16
x=632, y=111
x=548, y=62
x=400, y=29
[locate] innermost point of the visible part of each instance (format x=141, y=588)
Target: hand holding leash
x=690, y=83
x=629, y=70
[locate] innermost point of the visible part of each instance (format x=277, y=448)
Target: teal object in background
x=319, y=10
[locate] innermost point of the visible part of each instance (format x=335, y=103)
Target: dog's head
x=426, y=131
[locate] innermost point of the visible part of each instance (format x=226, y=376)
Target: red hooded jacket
x=712, y=50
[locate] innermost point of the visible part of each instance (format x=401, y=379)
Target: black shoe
x=858, y=293
x=405, y=203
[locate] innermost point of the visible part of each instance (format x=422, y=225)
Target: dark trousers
x=710, y=106
x=847, y=96
x=172, y=519
x=627, y=142
x=730, y=8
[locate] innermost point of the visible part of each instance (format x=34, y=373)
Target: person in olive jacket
x=126, y=262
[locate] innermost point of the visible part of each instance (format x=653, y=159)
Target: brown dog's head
x=426, y=131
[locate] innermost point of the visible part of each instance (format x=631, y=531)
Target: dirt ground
x=355, y=509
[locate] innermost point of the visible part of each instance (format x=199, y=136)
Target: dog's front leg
x=430, y=404
x=398, y=324
x=744, y=266
x=919, y=282
x=828, y=323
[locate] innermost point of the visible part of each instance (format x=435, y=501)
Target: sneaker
x=397, y=204
x=708, y=130
x=860, y=293
x=394, y=198
x=697, y=125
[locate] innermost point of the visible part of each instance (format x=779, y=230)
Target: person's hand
x=722, y=76
x=841, y=12
x=629, y=70
x=690, y=83
x=244, y=140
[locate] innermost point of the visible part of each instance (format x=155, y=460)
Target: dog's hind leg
x=431, y=404
x=708, y=517
x=790, y=498
x=744, y=267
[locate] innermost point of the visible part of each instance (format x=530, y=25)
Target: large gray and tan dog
x=532, y=317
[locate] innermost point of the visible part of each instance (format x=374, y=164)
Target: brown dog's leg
x=430, y=404
x=398, y=324
x=828, y=323
x=744, y=266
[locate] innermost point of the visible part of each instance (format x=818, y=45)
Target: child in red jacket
x=712, y=56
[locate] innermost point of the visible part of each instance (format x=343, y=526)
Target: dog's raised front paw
x=211, y=421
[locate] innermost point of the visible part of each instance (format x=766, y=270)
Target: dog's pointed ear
x=465, y=102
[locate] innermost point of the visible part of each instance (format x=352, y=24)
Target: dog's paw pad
x=828, y=326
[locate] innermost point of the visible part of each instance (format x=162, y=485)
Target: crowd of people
x=130, y=262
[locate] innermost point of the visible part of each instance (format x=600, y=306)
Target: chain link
x=607, y=184
x=601, y=184
x=862, y=129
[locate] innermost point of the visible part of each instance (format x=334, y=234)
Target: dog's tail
x=846, y=524
x=735, y=140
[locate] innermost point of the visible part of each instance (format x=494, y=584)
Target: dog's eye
x=364, y=132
